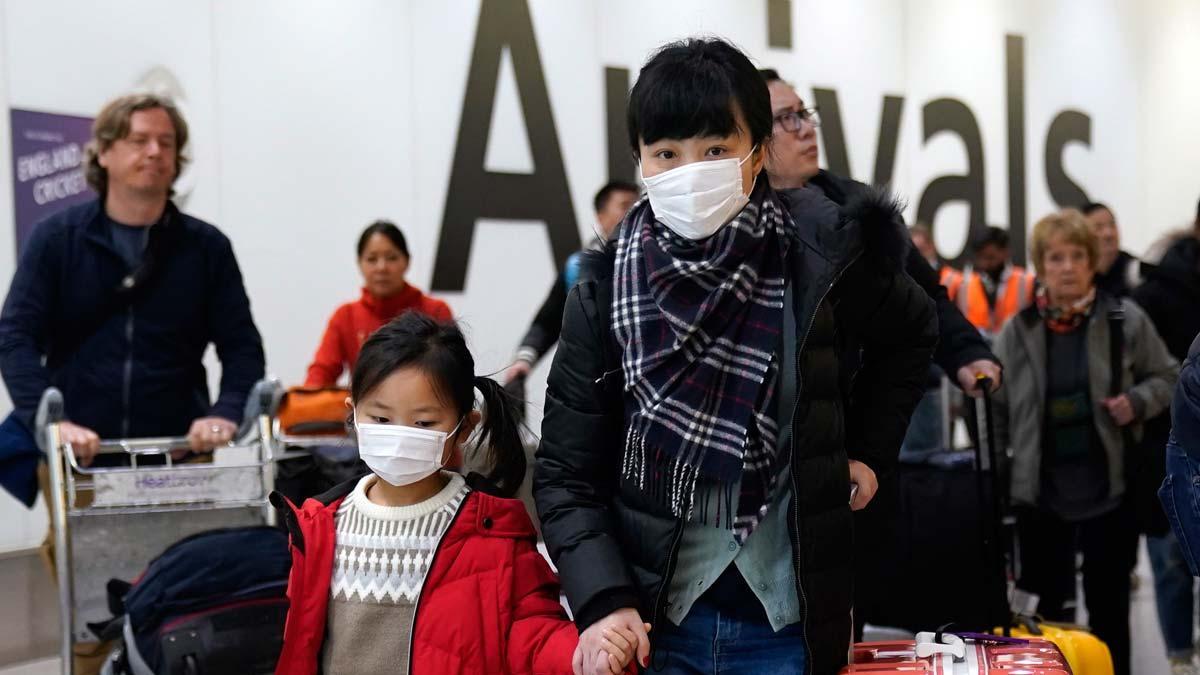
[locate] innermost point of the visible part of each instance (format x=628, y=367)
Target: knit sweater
x=381, y=558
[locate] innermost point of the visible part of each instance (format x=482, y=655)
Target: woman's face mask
x=401, y=455
x=697, y=199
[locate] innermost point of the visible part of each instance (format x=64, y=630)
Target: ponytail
x=500, y=437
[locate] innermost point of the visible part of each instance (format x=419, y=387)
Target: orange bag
x=314, y=411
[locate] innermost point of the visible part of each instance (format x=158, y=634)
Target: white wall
x=1169, y=103
x=19, y=528
x=7, y=235
x=311, y=119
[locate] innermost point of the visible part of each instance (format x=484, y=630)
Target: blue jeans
x=1180, y=497
x=1173, y=594
x=708, y=643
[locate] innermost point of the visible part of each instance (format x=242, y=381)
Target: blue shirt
x=129, y=240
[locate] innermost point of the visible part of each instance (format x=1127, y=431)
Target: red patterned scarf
x=1065, y=319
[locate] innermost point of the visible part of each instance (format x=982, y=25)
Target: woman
x=383, y=260
x=1069, y=437
x=697, y=454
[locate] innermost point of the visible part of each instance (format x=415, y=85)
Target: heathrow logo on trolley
x=177, y=486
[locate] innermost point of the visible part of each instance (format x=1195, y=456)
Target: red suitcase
x=1034, y=657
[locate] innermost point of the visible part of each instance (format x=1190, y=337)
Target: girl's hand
x=621, y=645
x=590, y=656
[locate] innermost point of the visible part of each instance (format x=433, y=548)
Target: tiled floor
x=29, y=617
x=28, y=611
x=40, y=667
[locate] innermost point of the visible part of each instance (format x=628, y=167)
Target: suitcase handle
x=929, y=644
x=992, y=515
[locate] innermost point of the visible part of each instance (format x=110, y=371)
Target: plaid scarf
x=1064, y=320
x=699, y=324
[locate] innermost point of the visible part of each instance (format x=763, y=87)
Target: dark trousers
x=1109, y=546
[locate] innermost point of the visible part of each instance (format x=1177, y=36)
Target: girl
x=412, y=569
x=383, y=261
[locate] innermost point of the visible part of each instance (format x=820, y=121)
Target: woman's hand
x=1121, y=409
x=864, y=477
x=591, y=656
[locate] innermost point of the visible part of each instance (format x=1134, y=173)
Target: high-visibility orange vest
x=1014, y=293
x=949, y=277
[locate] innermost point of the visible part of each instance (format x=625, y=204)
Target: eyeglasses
x=792, y=120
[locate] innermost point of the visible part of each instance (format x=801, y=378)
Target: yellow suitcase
x=1085, y=653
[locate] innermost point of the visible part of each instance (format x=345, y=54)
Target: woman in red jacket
x=383, y=260
x=412, y=569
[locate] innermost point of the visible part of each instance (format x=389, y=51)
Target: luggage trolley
x=109, y=522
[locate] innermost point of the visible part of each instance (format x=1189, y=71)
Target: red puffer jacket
x=489, y=603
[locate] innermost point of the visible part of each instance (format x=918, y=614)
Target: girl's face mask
x=401, y=455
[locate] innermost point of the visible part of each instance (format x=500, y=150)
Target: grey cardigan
x=1149, y=378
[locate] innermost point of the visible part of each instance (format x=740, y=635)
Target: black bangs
x=688, y=100
x=692, y=88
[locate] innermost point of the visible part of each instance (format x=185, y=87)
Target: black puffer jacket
x=959, y=342
x=616, y=548
x=1170, y=296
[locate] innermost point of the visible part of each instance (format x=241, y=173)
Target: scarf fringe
x=673, y=482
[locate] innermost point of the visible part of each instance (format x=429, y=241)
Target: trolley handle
x=134, y=447
x=144, y=446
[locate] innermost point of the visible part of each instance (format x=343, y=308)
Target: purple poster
x=48, y=170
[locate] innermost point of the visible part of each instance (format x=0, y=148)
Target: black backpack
x=214, y=602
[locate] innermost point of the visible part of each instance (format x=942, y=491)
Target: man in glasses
x=792, y=162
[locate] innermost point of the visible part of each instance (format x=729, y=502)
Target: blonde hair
x=112, y=124
x=1072, y=226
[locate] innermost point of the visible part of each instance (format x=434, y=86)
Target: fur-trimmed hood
x=870, y=221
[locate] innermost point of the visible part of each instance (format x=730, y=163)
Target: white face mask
x=401, y=455
x=696, y=199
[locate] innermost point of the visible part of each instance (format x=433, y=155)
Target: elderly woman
x=1066, y=433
